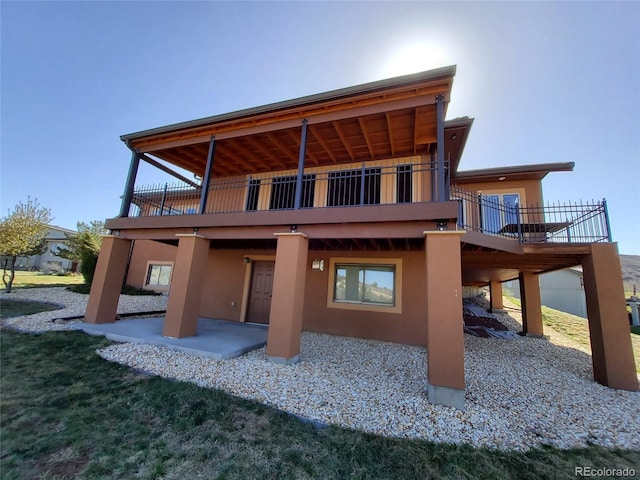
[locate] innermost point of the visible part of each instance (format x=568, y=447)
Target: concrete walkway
x=217, y=339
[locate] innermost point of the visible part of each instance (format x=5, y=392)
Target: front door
x=260, y=293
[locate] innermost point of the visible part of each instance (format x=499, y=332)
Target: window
x=158, y=275
x=365, y=284
x=498, y=210
x=403, y=184
x=253, y=194
x=283, y=192
x=346, y=187
x=369, y=284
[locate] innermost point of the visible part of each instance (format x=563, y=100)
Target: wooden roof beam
x=264, y=151
x=166, y=169
x=323, y=144
x=390, y=133
x=311, y=156
x=237, y=153
x=366, y=137
x=343, y=139
x=342, y=244
x=223, y=132
x=415, y=131
x=284, y=148
x=226, y=161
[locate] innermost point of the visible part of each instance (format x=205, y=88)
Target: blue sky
x=545, y=82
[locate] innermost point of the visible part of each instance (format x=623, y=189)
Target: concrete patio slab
x=217, y=339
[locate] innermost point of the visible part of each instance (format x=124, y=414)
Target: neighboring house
x=345, y=213
x=562, y=290
x=48, y=262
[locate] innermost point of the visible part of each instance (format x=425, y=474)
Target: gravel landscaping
x=521, y=393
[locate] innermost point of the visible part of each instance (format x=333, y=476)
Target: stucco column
x=445, y=336
x=287, y=302
x=107, y=280
x=531, y=304
x=611, y=351
x=495, y=296
x=183, y=306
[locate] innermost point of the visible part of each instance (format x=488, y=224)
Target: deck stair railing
x=568, y=222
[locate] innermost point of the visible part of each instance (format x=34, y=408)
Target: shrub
x=81, y=288
x=131, y=290
x=88, y=262
x=126, y=290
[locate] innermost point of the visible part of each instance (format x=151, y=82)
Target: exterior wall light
x=502, y=178
x=441, y=225
x=246, y=260
x=317, y=265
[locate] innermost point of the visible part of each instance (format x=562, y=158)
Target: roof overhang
x=520, y=172
x=456, y=132
x=388, y=118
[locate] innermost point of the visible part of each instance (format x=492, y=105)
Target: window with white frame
x=158, y=275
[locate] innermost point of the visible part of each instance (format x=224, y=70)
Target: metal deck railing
x=570, y=222
x=370, y=184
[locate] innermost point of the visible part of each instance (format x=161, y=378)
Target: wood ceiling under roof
x=391, y=118
x=385, y=135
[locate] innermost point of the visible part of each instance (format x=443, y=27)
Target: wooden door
x=260, y=293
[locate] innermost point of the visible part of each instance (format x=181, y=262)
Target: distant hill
x=630, y=272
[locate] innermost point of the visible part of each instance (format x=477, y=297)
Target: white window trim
x=366, y=307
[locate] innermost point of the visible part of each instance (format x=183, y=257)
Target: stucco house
x=345, y=213
x=48, y=261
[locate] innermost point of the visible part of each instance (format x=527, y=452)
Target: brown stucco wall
x=409, y=327
x=224, y=279
x=143, y=252
x=224, y=283
x=530, y=190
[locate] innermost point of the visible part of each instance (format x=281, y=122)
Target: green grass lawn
x=577, y=328
x=66, y=413
x=38, y=280
x=17, y=308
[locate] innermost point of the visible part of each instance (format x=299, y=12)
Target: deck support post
x=301, y=155
x=207, y=176
x=611, y=350
x=531, y=304
x=183, y=307
x=107, y=280
x=440, y=169
x=495, y=296
x=287, y=304
x=129, y=186
x=445, y=336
